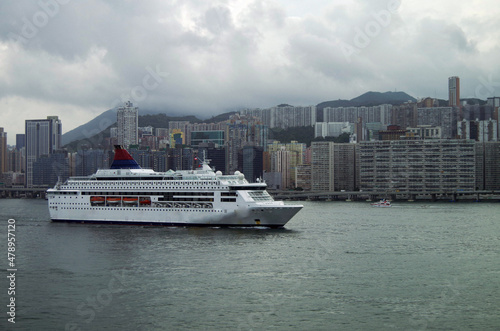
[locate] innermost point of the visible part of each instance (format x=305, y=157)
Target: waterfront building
x=16, y=160
x=333, y=166
x=487, y=169
x=50, y=168
x=43, y=137
x=284, y=158
x=127, y=121
x=12, y=179
x=273, y=180
x=303, y=175
x=423, y=166
x=281, y=162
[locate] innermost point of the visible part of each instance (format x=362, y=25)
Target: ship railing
x=184, y=205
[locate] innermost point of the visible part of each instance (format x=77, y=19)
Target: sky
x=77, y=59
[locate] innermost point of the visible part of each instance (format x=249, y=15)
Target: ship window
x=228, y=199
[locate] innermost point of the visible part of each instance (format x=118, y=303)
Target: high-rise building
x=20, y=141
x=454, y=91
x=251, y=158
x=241, y=132
x=16, y=161
x=303, y=176
x=444, y=117
x=373, y=114
x=424, y=166
x=333, y=166
x=217, y=156
x=487, y=169
x=43, y=137
x=284, y=159
x=216, y=137
x=284, y=116
x=87, y=162
x=332, y=129
x=50, y=168
x=3, y=151
x=405, y=115
x=128, y=120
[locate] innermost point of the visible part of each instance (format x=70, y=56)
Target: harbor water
x=335, y=266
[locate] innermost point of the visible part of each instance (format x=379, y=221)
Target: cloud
x=80, y=58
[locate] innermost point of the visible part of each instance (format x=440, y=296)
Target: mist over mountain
x=148, y=116
x=370, y=99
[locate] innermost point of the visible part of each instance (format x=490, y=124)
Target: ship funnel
x=123, y=160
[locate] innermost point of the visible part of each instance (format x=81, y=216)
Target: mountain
x=370, y=99
x=91, y=128
x=367, y=99
x=377, y=98
x=101, y=123
x=160, y=120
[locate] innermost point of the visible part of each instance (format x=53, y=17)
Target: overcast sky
x=76, y=59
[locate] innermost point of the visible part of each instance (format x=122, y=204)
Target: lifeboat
x=96, y=199
x=130, y=200
x=113, y=200
x=145, y=201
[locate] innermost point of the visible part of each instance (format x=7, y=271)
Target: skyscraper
x=128, y=121
x=454, y=91
x=43, y=137
x=3, y=151
x=20, y=141
x=333, y=166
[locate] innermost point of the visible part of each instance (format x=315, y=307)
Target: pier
x=22, y=192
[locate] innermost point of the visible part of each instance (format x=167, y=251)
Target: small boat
x=382, y=203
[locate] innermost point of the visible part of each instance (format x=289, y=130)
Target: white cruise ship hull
x=266, y=215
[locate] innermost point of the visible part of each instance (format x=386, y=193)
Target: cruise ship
x=129, y=194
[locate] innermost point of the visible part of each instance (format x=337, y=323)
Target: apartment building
x=424, y=166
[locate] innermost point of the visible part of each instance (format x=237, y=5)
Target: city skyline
x=212, y=57
x=11, y=140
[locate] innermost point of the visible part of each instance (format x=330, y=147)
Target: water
x=336, y=266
